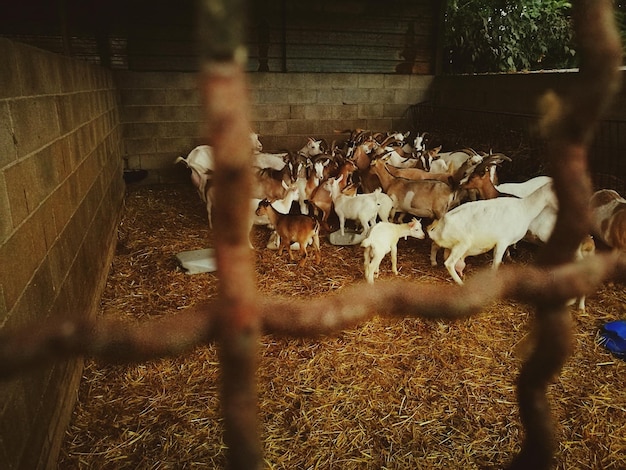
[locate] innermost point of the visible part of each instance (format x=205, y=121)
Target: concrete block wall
x=61, y=192
x=289, y=108
x=161, y=116
x=161, y=113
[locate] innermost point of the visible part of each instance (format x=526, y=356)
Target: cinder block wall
x=289, y=108
x=61, y=191
x=161, y=113
x=161, y=116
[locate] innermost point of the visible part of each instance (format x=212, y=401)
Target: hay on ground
x=391, y=393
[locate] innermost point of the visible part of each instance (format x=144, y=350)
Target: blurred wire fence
x=517, y=136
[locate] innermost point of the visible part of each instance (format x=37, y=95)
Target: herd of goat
x=376, y=179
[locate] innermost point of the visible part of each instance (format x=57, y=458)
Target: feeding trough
x=198, y=261
x=350, y=237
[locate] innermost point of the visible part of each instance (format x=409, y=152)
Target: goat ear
x=284, y=184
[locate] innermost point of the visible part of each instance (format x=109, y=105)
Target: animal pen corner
x=238, y=316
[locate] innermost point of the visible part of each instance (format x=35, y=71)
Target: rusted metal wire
x=239, y=315
x=224, y=93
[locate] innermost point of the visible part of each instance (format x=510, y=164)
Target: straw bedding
x=389, y=394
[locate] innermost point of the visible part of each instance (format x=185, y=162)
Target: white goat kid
x=385, y=204
x=361, y=207
x=477, y=227
x=382, y=239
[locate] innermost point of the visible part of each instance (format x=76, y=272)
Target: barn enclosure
x=82, y=102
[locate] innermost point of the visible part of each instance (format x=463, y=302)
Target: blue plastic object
x=613, y=337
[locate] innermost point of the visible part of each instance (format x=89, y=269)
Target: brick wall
x=61, y=190
x=161, y=114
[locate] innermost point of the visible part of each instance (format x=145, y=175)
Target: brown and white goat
x=321, y=197
x=418, y=174
x=608, y=212
x=426, y=198
x=293, y=228
x=270, y=184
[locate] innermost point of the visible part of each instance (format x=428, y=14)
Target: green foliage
x=504, y=36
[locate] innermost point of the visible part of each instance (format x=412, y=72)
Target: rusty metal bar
x=224, y=92
x=171, y=335
x=568, y=124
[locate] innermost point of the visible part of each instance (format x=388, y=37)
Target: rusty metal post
x=568, y=125
x=224, y=91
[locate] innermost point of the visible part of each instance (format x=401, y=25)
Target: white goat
x=540, y=227
x=382, y=239
x=275, y=161
x=361, y=207
x=525, y=188
x=392, y=149
x=477, y=227
x=201, y=159
x=385, y=204
x=312, y=148
x=201, y=163
x=281, y=205
x=454, y=160
x=255, y=142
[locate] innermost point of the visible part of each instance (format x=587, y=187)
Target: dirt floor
x=389, y=394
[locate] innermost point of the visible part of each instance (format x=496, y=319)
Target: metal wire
x=238, y=316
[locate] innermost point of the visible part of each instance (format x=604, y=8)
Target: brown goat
x=479, y=177
x=293, y=228
x=417, y=174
